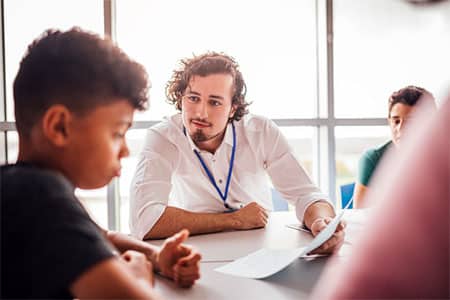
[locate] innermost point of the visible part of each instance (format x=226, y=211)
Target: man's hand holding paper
x=334, y=242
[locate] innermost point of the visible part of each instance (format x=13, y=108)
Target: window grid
x=325, y=122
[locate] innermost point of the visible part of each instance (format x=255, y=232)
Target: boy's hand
x=139, y=265
x=179, y=262
x=335, y=242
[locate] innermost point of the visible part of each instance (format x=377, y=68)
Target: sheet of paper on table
x=266, y=262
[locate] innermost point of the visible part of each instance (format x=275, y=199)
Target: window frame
x=324, y=142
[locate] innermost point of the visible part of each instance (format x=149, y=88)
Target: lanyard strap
x=223, y=196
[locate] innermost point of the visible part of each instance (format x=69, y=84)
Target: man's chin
x=199, y=137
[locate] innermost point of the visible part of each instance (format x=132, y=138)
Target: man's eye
x=395, y=121
x=215, y=103
x=193, y=98
x=119, y=135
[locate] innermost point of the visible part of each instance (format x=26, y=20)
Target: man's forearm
x=319, y=209
x=174, y=219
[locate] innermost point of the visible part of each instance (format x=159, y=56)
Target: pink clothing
x=405, y=251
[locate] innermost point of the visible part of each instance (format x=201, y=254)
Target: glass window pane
x=135, y=140
x=25, y=20
x=301, y=140
x=2, y=148
x=13, y=146
x=95, y=203
x=275, y=47
x=382, y=46
x=351, y=143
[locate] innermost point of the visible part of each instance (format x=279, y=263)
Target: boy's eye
x=119, y=135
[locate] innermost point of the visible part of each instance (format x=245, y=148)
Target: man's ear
x=55, y=124
x=233, y=111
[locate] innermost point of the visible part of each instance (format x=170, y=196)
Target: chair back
x=279, y=203
x=347, y=194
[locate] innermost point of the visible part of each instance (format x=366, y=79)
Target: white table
x=294, y=282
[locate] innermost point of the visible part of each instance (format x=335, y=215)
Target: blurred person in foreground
x=404, y=253
x=74, y=95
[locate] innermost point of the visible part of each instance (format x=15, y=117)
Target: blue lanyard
x=230, y=170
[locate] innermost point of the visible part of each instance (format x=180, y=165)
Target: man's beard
x=199, y=136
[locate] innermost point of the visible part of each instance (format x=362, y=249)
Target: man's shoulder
x=252, y=122
x=381, y=149
x=168, y=128
x=377, y=151
x=373, y=155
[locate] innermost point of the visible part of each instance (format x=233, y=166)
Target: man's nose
x=202, y=110
x=401, y=125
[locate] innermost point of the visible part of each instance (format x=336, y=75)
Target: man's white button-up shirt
x=170, y=174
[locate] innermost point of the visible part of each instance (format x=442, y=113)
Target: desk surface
x=294, y=282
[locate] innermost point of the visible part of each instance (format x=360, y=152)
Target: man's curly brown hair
x=204, y=65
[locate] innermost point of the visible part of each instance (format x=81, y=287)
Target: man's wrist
x=232, y=220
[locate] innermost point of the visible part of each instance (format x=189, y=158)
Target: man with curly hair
x=205, y=169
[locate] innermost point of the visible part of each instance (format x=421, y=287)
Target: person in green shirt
x=402, y=105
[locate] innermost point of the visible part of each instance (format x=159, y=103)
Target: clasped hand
x=179, y=262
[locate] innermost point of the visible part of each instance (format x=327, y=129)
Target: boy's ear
x=55, y=124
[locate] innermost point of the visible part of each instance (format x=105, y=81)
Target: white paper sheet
x=262, y=263
x=325, y=234
x=266, y=262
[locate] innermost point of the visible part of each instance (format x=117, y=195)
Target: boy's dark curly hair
x=77, y=69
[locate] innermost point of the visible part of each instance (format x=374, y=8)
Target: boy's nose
x=124, y=151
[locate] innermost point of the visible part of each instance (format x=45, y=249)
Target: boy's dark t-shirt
x=47, y=238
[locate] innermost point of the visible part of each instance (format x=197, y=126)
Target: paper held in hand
x=266, y=262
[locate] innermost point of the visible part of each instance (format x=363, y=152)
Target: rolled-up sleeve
x=286, y=173
x=151, y=184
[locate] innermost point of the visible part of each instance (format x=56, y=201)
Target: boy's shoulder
x=24, y=178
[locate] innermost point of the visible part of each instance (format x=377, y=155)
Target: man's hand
x=179, y=262
x=250, y=216
x=138, y=264
x=335, y=242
